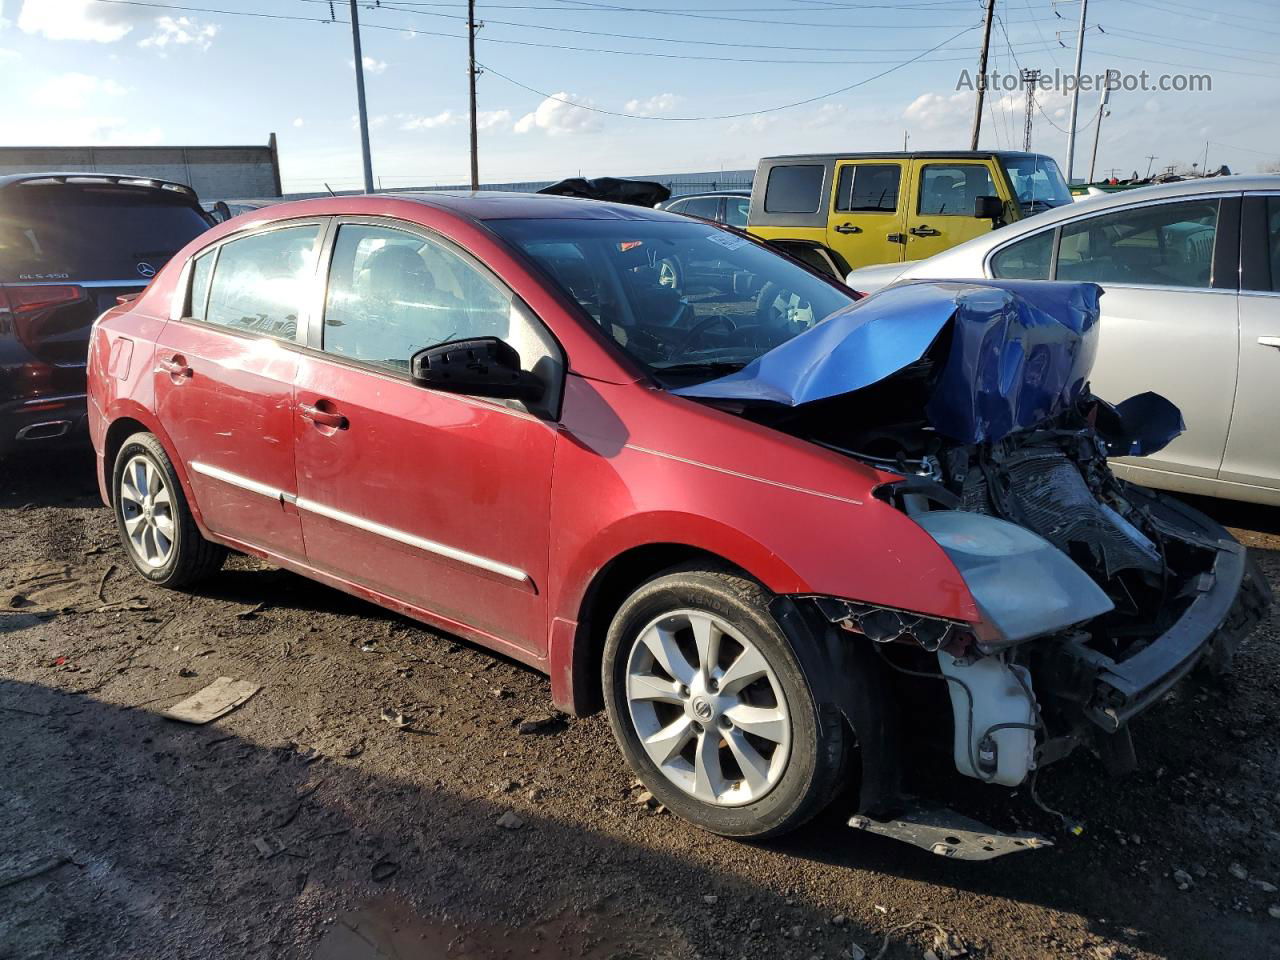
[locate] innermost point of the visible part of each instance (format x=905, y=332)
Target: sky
x=558, y=74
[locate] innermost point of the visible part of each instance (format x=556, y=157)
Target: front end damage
x=1095, y=596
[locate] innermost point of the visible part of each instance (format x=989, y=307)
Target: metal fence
x=680, y=184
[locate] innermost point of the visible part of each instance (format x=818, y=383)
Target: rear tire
x=737, y=756
x=156, y=528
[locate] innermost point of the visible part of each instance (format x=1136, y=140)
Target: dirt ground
x=304, y=824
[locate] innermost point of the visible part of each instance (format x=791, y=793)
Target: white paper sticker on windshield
x=728, y=240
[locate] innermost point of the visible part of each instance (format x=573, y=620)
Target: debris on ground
x=217, y=699
x=509, y=821
x=395, y=718
x=547, y=723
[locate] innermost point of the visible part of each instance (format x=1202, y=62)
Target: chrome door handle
x=924, y=231
x=848, y=228
x=324, y=418
x=1270, y=342
x=175, y=366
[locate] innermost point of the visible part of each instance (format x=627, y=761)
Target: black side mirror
x=480, y=367
x=988, y=208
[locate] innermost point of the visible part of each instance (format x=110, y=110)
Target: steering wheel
x=702, y=326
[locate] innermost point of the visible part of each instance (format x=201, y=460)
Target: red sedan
x=490, y=413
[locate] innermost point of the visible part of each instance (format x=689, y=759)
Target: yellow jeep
x=838, y=211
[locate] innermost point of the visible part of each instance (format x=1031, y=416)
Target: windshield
x=688, y=300
x=1037, y=182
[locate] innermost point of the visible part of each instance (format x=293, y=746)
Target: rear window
x=794, y=189
x=92, y=232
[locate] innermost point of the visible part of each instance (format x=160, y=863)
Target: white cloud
x=71, y=91
x=371, y=65
x=62, y=130
x=8, y=54
x=445, y=118
x=79, y=19
x=757, y=124
x=826, y=115
x=298, y=121
x=932, y=110
x=375, y=122
x=181, y=32
x=489, y=119
x=653, y=106
x=555, y=117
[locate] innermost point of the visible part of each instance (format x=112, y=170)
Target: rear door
x=1253, y=452
x=943, y=194
x=436, y=499
x=1169, y=315
x=224, y=381
x=868, y=212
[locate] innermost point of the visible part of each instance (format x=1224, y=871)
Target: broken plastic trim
x=887, y=624
x=950, y=834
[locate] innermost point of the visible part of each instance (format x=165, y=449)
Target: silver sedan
x=1191, y=272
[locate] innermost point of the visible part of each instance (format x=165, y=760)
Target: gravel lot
x=306, y=824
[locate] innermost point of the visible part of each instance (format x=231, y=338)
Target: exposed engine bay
x=1096, y=596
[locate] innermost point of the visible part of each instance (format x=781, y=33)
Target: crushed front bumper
x=1229, y=599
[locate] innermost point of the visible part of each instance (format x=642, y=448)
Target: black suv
x=70, y=244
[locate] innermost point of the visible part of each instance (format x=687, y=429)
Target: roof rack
x=126, y=180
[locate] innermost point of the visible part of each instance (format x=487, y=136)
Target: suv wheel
x=152, y=517
x=711, y=708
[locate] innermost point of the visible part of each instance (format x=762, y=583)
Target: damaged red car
x=789, y=540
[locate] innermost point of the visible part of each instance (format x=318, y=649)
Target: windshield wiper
x=702, y=366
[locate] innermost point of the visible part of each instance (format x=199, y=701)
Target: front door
x=943, y=196
x=435, y=499
x=867, y=212
x=224, y=383
x=1253, y=453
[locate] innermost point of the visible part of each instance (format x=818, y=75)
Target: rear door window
x=91, y=232
x=1164, y=244
x=868, y=188
x=260, y=282
x=794, y=188
x=707, y=208
x=736, y=210
x=201, y=274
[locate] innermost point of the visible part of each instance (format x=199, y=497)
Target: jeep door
x=943, y=193
x=867, y=212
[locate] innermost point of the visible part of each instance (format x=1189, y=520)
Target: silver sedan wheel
x=146, y=508
x=708, y=709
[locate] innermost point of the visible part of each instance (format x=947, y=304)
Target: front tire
x=712, y=710
x=156, y=528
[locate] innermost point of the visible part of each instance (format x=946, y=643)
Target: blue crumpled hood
x=1020, y=352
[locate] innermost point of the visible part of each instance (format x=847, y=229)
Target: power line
x=637, y=36
x=732, y=116
x=1199, y=16
x=1187, y=66
x=524, y=43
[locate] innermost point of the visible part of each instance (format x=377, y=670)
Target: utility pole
x=1150, y=160
x=982, y=76
x=472, y=73
x=1029, y=78
x=1097, y=130
x=364, y=113
x=1075, y=93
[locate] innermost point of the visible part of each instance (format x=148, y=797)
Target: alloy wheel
x=707, y=708
x=146, y=509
